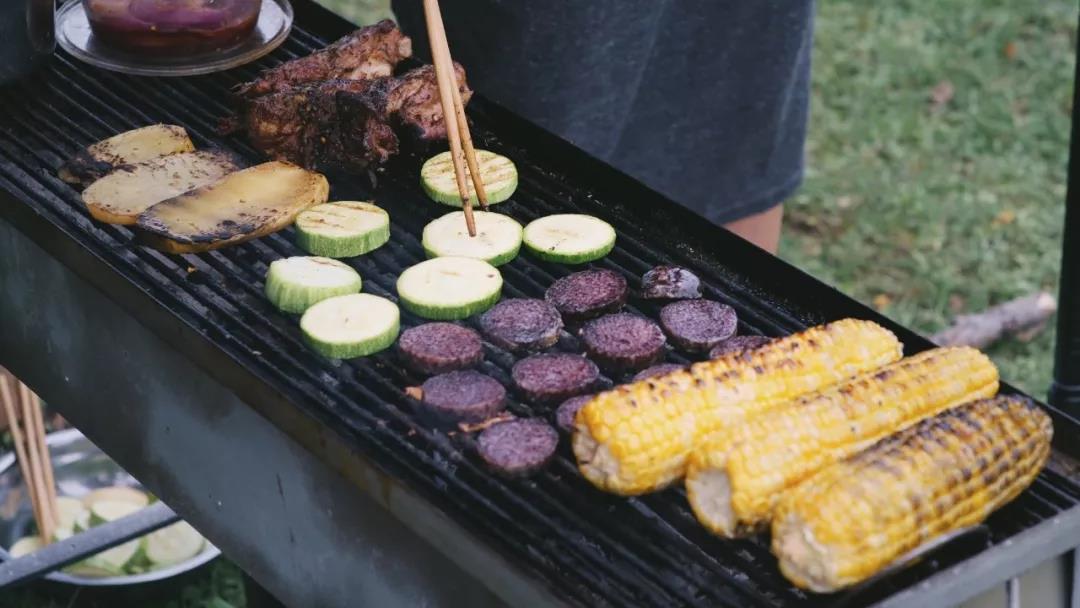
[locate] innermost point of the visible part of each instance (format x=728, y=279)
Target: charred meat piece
x=554, y=377
x=345, y=123
x=369, y=52
x=436, y=348
x=698, y=325
x=738, y=344
x=517, y=447
x=657, y=370
x=567, y=411
x=331, y=123
x=414, y=99
x=587, y=294
x=522, y=324
x=462, y=396
x=670, y=283
x=623, y=342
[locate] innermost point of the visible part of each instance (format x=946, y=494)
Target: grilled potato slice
x=129, y=147
x=119, y=197
x=239, y=207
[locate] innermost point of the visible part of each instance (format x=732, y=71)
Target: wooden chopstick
x=32, y=451
x=7, y=398
x=459, y=111
x=46, y=458
x=39, y=459
x=457, y=128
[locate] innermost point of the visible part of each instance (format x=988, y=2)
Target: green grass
x=930, y=209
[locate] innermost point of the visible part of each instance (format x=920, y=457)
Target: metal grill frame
x=674, y=562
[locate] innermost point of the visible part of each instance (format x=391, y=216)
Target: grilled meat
x=370, y=52
x=345, y=123
x=414, y=98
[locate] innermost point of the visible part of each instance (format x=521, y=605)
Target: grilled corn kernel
x=636, y=438
x=735, y=476
x=948, y=472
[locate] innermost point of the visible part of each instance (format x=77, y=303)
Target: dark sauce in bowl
x=163, y=27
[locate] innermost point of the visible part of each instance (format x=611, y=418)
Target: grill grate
x=594, y=549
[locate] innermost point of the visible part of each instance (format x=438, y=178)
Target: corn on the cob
x=636, y=438
x=735, y=477
x=948, y=472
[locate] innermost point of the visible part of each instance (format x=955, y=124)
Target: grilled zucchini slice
x=239, y=207
x=295, y=283
x=497, y=240
x=119, y=197
x=449, y=288
x=130, y=147
x=354, y=325
x=569, y=238
x=342, y=229
x=498, y=173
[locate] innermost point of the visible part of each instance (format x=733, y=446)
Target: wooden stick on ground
x=457, y=127
x=1016, y=317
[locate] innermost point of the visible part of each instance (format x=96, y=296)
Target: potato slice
x=129, y=147
x=119, y=197
x=239, y=207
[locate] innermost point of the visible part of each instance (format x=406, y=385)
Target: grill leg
x=1065, y=390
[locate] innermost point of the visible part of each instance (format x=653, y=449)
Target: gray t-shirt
x=705, y=101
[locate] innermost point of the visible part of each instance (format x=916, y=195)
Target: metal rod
x=96, y=539
x=1065, y=389
x=1012, y=593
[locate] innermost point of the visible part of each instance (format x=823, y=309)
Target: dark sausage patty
x=623, y=342
x=554, y=377
x=522, y=324
x=738, y=344
x=670, y=283
x=518, y=447
x=587, y=294
x=564, y=416
x=698, y=325
x=436, y=348
x=657, y=370
x=463, y=396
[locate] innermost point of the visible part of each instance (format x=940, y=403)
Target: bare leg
x=761, y=229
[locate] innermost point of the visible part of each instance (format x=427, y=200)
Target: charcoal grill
x=315, y=476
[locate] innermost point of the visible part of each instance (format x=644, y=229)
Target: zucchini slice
x=448, y=288
x=173, y=544
x=293, y=284
x=354, y=325
x=342, y=229
x=116, y=494
x=119, y=197
x=68, y=511
x=498, y=172
x=104, y=511
x=497, y=240
x=569, y=238
x=25, y=545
